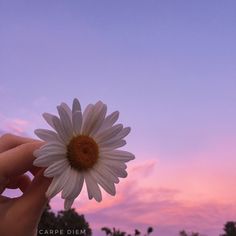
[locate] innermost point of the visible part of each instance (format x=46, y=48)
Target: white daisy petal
x=117, y=171
x=57, y=184
x=74, y=185
x=54, y=188
x=37, y=152
x=110, y=120
x=123, y=133
x=77, y=121
x=56, y=168
x=47, y=160
x=53, y=150
x=99, y=121
x=108, y=133
x=46, y=135
x=60, y=130
x=92, y=187
x=117, y=144
x=50, y=148
x=99, y=112
x=104, y=171
x=65, y=121
x=114, y=163
x=68, y=203
x=112, y=143
x=48, y=152
x=87, y=119
x=79, y=185
x=76, y=106
x=67, y=109
x=49, y=117
x=90, y=195
x=70, y=185
x=53, y=144
x=117, y=155
x=109, y=172
x=107, y=185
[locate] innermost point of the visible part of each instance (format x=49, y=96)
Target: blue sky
x=166, y=62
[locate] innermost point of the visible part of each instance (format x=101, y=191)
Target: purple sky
x=169, y=67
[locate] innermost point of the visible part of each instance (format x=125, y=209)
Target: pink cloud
x=138, y=206
x=14, y=125
x=196, y=194
x=17, y=126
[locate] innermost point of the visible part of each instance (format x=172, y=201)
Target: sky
x=167, y=66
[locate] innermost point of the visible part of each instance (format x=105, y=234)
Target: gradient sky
x=168, y=66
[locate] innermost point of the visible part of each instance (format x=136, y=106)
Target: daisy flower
x=84, y=147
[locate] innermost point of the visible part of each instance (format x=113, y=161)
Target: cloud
x=141, y=202
x=139, y=205
x=15, y=126
x=195, y=195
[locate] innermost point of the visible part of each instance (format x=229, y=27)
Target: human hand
x=20, y=216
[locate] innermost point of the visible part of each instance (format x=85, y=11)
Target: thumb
x=33, y=201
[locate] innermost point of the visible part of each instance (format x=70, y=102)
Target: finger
x=4, y=199
x=18, y=160
x=34, y=170
x=22, y=182
x=3, y=183
x=33, y=202
x=8, y=141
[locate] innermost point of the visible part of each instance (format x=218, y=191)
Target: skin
x=20, y=216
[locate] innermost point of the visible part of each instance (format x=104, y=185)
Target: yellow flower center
x=82, y=152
